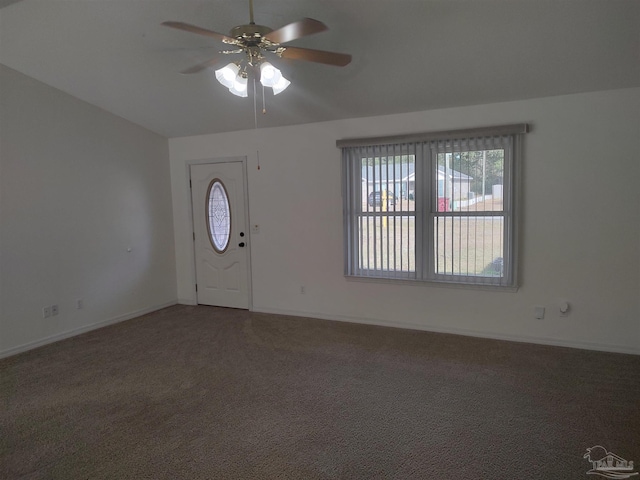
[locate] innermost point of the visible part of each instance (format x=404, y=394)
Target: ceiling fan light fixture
x=239, y=87
x=281, y=86
x=227, y=75
x=269, y=75
x=254, y=40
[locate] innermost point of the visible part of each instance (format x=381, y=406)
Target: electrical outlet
x=54, y=310
x=538, y=312
x=46, y=312
x=79, y=304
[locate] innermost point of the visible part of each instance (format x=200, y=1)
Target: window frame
x=426, y=205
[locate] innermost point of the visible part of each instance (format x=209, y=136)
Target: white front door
x=220, y=234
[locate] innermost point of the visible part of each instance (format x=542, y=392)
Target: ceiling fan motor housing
x=250, y=34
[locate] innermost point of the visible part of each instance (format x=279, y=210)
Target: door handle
x=241, y=244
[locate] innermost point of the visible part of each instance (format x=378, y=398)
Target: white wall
x=78, y=187
x=580, y=223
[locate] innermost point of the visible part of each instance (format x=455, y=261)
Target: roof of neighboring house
x=441, y=171
x=383, y=173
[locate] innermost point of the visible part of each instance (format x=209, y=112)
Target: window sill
x=429, y=283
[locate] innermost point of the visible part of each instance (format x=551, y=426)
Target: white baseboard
x=339, y=318
x=83, y=329
x=187, y=301
x=458, y=331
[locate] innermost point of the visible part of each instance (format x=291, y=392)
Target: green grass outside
x=464, y=246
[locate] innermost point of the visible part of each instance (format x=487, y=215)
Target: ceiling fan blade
x=187, y=27
x=301, y=28
x=319, y=56
x=201, y=66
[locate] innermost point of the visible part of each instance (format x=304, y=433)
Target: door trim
x=192, y=250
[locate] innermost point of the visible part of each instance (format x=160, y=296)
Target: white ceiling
x=408, y=55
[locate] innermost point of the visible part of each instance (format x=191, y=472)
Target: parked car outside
x=375, y=198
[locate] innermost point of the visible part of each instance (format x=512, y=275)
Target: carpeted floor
x=210, y=393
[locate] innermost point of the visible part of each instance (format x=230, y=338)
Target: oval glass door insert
x=218, y=216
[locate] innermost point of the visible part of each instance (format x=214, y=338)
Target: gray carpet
x=208, y=393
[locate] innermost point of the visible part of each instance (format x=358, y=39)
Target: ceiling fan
x=255, y=41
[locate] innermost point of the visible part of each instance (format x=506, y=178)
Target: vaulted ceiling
x=408, y=55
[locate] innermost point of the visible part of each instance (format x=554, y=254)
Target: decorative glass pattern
x=218, y=216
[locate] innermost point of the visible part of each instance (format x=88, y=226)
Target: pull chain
x=255, y=117
x=264, y=104
x=255, y=106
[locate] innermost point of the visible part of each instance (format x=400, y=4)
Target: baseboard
x=339, y=318
x=187, y=301
x=83, y=329
x=457, y=331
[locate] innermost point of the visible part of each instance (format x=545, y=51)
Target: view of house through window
x=470, y=244
x=387, y=223
x=437, y=210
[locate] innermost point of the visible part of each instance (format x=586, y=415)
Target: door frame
x=245, y=181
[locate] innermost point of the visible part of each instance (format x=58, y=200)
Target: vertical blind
x=382, y=220
x=434, y=209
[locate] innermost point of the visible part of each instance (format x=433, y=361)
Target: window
x=218, y=216
x=435, y=207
